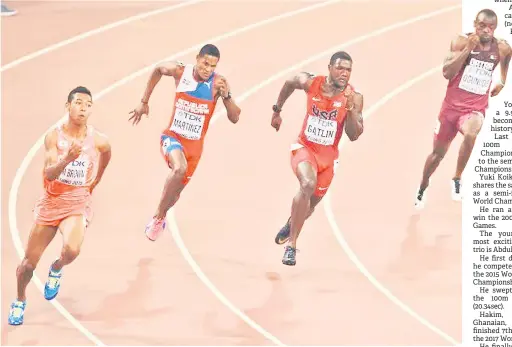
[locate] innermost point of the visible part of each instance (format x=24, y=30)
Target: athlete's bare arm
x=103, y=146
x=301, y=81
x=224, y=91
x=171, y=68
x=460, y=48
x=53, y=167
x=505, y=55
x=354, y=124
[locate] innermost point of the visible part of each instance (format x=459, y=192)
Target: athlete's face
x=206, y=65
x=484, y=27
x=339, y=72
x=80, y=108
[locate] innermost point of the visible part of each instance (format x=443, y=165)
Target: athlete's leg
x=443, y=137
x=307, y=176
x=174, y=183
x=284, y=234
x=72, y=229
x=433, y=161
x=39, y=239
x=324, y=180
x=173, y=152
x=305, y=168
x=469, y=126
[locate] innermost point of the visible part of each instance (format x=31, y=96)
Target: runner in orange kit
x=76, y=156
x=198, y=89
x=333, y=106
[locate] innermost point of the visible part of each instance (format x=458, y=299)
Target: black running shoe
x=420, y=198
x=284, y=234
x=456, y=189
x=289, y=256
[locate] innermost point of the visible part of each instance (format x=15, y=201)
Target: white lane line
x=32, y=152
x=339, y=235
x=20, y=172
x=96, y=31
x=215, y=39
x=345, y=45
x=15, y=234
x=173, y=226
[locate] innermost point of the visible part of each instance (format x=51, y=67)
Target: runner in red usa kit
x=333, y=106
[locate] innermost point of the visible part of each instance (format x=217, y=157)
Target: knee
x=308, y=186
x=471, y=128
x=70, y=252
x=26, y=267
x=438, y=155
x=180, y=169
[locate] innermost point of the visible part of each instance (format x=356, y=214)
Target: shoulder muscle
x=101, y=141
x=50, y=140
x=171, y=68
x=504, y=47
x=302, y=80
x=458, y=43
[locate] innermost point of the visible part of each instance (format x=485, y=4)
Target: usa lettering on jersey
x=322, y=126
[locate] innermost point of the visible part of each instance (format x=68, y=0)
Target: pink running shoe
x=155, y=228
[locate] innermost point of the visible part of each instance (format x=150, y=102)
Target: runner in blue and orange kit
x=198, y=88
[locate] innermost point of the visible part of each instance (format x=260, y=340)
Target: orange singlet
x=69, y=194
x=194, y=106
x=320, y=134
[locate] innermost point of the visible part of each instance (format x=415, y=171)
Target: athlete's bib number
x=188, y=125
x=476, y=80
x=75, y=173
x=321, y=131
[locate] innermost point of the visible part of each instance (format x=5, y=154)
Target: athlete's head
x=485, y=24
x=207, y=60
x=340, y=68
x=79, y=105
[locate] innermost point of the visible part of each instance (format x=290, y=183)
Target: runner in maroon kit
x=333, y=107
x=469, y=68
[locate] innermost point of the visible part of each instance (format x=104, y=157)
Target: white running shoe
x=7, y=12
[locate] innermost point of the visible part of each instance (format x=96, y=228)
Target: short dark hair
x=488, y=13
x=209, y=49
x=340, y=55
x=78, y=90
